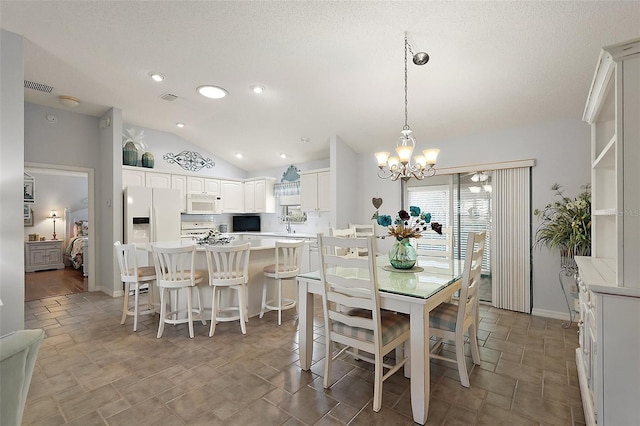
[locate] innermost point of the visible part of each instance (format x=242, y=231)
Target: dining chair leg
x=189, y=311
x=328, y=354
x=462, y=365
x=377, y=384
x=125, y=305
x=163, y=312
x=473, y=342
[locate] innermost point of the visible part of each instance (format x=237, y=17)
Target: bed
x=77, y=250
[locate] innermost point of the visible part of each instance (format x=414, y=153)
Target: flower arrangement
x=408, y=224
x=566, y=223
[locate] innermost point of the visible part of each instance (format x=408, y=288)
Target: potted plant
x=566, y=226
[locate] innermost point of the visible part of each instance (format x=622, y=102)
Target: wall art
x=189, y=160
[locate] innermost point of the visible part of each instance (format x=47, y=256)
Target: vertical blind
x=511, y=245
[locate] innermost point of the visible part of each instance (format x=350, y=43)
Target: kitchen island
x=262, y=253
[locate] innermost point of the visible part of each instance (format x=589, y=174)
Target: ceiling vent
x=38, y=86
x=168, y=97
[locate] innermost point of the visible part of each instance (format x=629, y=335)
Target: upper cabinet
x=232, y=193
x=314, y=191
x=612, y=110
x=197, y=185
x=133, y=177
x=258, y=196
x=157, y=180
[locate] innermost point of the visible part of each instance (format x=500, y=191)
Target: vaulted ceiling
x=328, y=68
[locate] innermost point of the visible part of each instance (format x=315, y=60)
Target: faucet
x=288, y=226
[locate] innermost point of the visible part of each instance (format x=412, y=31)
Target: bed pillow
x=81, y=228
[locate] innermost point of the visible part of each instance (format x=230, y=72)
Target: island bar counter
x=262, y=254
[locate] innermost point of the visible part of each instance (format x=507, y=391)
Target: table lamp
x=53, y=215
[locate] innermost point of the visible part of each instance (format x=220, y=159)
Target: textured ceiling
x=329, y=68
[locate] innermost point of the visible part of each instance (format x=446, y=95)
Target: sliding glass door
x=463, y=202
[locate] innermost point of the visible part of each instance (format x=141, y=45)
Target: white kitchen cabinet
x=232, y=193
x=179, y=182
x=157, y=180
x=43, y=255
x=133, y=177
x=197, y=185
x=258, y=196
x=609, y=280
x=315, y=191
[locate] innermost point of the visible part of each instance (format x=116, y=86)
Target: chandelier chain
x=406, y=120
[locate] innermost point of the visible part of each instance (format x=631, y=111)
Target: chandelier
x=404, y=165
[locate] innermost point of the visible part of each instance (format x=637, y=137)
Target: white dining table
x=413, y=293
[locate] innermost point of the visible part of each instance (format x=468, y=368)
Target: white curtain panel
x=511, y=242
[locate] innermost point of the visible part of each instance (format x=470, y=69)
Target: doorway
x=69, y=191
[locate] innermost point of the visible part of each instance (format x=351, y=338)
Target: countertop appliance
x=151, y=214
x=203, y=203
x=246, y=223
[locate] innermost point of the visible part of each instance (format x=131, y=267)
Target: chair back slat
x=435, y=249
x=228, y=265
x=352, y=320
x=468, y=302
x=174, y=265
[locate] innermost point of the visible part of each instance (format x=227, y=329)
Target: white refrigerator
x=151, y=214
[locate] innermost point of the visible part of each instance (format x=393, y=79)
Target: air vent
x=38, y=86
x=168, y=97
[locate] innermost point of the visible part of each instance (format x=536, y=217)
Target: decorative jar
x=147, y=160
x=130, y=154
x=403, y=255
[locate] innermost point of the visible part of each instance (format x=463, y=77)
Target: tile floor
x=93, y=371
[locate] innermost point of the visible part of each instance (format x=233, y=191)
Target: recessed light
x=69, y=101
x=213, y=92
x=156, y=76
x=238, y=155
x=181, y=125
x=304, y=140
x=283, y=155
x=257, y=89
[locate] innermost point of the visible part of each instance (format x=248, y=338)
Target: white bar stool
x=287, y=266
x=228, y=268
x=174, y=272
x=132, y=275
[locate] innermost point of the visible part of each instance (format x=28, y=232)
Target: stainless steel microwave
x=203, y=203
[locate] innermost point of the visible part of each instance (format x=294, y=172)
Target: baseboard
x=110, y=292
x=550, y=314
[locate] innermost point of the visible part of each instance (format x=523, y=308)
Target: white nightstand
x=43, y=255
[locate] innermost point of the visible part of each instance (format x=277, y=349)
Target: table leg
x=305, y=324
x=420, y=388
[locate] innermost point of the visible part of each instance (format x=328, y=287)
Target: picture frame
x=29, y=191
x=28, y=216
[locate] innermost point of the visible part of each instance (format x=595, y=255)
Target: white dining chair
x=345, y=233
x=175, y=273
x=134, y=276
x=450, y=321
x=287, y=266
x=228, y=268
x=352, y=314
x=363, y=230
x=436, y=250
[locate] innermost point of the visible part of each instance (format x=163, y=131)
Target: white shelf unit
x=609, y=280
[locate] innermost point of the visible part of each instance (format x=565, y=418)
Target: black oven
x=246, y=223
